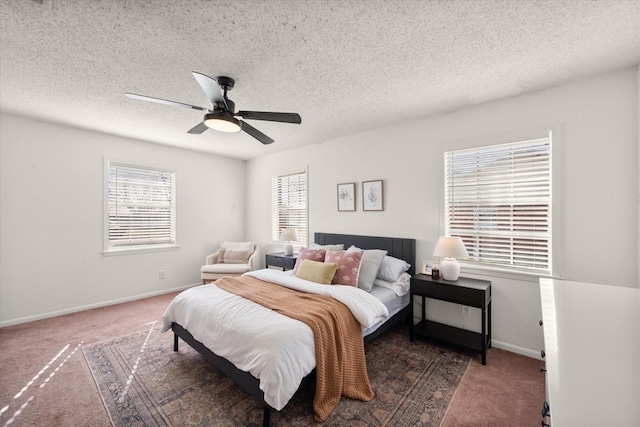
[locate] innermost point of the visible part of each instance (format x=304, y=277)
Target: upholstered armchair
x=232, y=259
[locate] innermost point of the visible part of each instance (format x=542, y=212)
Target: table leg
x=484, y=334
x=411, y=326
x=489, y=324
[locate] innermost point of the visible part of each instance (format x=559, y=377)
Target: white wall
x=51, y=201
x=595, y=174
x=51, y=219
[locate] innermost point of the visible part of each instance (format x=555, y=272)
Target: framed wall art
x=347, y=197
x=372, y=196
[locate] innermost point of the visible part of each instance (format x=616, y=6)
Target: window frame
x=302, y=239
x=108, y=248
x=555, y=134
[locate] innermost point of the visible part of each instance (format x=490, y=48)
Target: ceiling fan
x=223, y=115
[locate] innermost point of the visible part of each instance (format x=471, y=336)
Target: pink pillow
x=348, y=266
x=312, y=254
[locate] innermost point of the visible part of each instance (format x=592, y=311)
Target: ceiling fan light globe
x=222, y=122
x=222, y=125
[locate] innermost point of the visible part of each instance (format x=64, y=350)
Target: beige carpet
x=37, y=391
x=144, y=383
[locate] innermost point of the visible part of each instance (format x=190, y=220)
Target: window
x=498, y=200
x=141, y=207
x=290, y=205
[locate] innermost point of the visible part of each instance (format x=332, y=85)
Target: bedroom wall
x=595, y=123
x=51, y=219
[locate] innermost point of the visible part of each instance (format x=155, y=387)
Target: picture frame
x=346, y=197
x=428, y=266
x=372, y=195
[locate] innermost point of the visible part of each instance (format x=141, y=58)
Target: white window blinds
x=498, y=200
x=141, y=206
x=290, y=205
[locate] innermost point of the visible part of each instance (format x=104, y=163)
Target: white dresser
x=592, y=353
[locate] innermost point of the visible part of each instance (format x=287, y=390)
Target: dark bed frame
x=397, y=247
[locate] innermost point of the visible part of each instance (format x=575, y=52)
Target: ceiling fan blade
x=198, y=129
x=211, y=88
x=166, y=102
x=256, y=133
x=272, y=117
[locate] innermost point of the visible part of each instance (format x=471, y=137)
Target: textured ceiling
x=344, y=66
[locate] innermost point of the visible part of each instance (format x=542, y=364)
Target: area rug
x=143, y=382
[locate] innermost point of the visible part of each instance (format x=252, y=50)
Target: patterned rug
x=143, y=382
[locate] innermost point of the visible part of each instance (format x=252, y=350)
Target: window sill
x=139, y=250
x=504, y=273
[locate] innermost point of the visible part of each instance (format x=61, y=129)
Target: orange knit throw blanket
x=341, y=368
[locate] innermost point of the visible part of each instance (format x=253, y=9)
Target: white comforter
x=274, y=348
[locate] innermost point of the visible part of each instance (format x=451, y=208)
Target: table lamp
x=450, y=248
x=288, y=235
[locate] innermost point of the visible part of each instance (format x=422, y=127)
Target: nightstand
x=279, y=259
x=469, y=292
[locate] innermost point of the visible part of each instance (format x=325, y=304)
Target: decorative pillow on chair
x=312, y=254
x=233, y=256
x=315, y=271
x=348, y=266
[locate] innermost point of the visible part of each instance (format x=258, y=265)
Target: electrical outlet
x=465, y=310
x=161, y=274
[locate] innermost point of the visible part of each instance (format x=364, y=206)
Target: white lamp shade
x=289, y=235
x=450, y=247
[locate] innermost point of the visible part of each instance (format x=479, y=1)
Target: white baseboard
x=90, y=306
x=535, y=354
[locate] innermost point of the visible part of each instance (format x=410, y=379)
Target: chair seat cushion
x=225, y=268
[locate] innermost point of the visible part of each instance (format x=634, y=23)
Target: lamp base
x=288, y=248
x=450, y=269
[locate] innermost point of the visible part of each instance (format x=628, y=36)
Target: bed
x=280, y=390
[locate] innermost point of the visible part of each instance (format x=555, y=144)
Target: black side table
x=469, y=292
x=279, y=259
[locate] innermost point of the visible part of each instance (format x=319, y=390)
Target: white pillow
x=400, y=286
x=371, y=260
x=391, y=268
x=339, y=247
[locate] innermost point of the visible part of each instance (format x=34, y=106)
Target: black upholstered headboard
x=396, y=247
